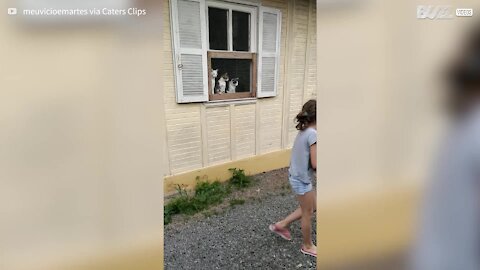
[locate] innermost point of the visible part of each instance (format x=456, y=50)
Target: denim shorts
x=299, y=187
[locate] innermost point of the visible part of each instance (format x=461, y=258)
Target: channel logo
x=12, y=11
x=464, y=12
x=435, y=12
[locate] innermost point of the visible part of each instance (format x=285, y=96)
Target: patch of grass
x=239, y=179
x=206, y=194
x=236, y=202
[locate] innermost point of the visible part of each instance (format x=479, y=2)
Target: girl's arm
x=313, y=156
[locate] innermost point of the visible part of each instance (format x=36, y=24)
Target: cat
x=222, y=84
x=214, y=76
x=232, y=85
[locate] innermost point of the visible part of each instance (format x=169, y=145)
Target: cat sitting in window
x=222, y=84
x=214, y=76
x=232, y=85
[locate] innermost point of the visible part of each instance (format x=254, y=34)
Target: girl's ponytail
x=308, y=115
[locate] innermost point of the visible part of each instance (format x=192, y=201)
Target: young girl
x=303, y=163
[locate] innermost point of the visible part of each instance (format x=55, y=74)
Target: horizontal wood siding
x=311, y=64
x=271, y=109
x=298, y=65
x=218, y=134
x=183, y=120
x=244, y=129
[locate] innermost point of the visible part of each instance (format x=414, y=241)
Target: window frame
x=230, y=53
x=253, y=10
x=233, y=55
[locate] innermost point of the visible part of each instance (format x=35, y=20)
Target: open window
x=218, y=50
x=232, y=58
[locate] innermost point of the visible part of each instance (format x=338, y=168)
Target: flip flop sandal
x=284, y=233
x=306, y=252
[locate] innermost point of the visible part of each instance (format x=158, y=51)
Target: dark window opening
x=239, y=72
x=217, y=28
x=241, y=31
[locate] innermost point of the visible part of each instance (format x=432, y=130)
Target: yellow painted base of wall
x=366, y=229
x=143, y=259
x=143, y=253
x=252, y=165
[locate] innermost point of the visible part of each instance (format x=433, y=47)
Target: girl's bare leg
x=307, y=205
x=295, y=215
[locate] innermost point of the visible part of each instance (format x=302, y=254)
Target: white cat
x=214, y=76
x=232, y=85
x=222, y=84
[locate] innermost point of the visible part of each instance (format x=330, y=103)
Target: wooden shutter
x=190, y=52
x=269, y=51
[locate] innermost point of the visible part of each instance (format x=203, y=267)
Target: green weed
x=239, y=179
x=205, y=195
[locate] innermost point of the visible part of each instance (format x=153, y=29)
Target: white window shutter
x=190, y=52
x=269, y=51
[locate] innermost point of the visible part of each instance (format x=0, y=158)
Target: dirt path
x=238, y=237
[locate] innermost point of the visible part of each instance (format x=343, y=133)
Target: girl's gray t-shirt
x=300, y=168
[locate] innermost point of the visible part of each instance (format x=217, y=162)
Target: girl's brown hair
x=308, y=115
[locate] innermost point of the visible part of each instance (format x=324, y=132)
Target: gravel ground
x=238, y=238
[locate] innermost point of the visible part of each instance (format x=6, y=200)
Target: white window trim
x=256, y=11
x=253, y=10
x=178, y=51
x=225, y=102
x=276, y=54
